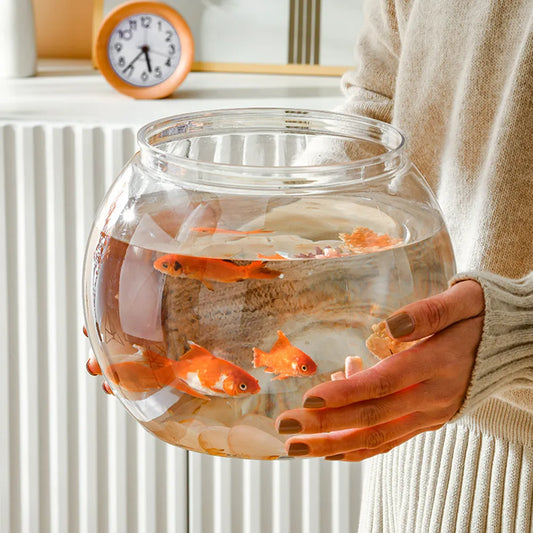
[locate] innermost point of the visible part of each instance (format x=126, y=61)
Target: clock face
x=144, y=49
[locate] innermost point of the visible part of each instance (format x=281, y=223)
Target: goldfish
x=229, y=231
x=274, y=257
x=207, y=270
x=285, y=360
x=197, y=372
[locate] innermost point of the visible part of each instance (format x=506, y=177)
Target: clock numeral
x=171, y=49
x=125, y=34
x=129, y=70
x=144, y=75
x=121, y=61
x=146, y=21
x=157, y=72
x=118, y=47
x=159, y=25
x=169, y=36
x=133, y=24
x=168, y=64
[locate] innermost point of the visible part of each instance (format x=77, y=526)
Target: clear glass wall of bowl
x=241, y=256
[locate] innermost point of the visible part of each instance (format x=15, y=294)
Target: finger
x=426, y=317
x=93, y=367
x=397, y=372
x=357, y=415
x=360, y=455
x=107, y=388
x=350, y=440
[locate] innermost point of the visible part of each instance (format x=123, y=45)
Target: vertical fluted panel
x=288, y=496
x=71, y=459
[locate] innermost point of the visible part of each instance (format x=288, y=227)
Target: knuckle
x=435, y=313
x=375, y=439
x=382, y=386
x=370, y=416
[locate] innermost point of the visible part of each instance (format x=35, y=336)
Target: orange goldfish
x=276, y=256
x=207, y=270
x=285, y=360
x=198, y=373
x=229, y=231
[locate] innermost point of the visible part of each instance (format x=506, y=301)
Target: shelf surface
x=73, y=92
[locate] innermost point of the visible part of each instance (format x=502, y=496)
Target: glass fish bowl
x=239, y=259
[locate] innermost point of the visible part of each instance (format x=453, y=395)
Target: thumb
x=426, y=317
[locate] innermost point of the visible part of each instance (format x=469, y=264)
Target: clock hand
x=145, y=50
x=133, y=60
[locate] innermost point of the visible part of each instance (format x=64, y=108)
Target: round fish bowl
x=241, y=256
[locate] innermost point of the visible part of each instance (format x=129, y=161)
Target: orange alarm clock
x=144, y=49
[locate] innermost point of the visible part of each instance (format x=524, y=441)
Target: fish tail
x=258, y=270
x=258, y=358
x=137, y=377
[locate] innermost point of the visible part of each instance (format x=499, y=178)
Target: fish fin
x=257, y=270
x=279, y=378
x=281, y=343
x=208, y=284
x=195, y=351
x=153, y=359
x=181, y=385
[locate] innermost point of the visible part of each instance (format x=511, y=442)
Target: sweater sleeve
x=369, y=88
x=504, y=359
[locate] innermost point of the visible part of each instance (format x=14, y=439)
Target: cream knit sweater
x=456, y=76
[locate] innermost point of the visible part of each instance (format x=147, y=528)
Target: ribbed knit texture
x=455, y=480
x=457, y=78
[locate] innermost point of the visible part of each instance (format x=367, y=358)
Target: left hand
x=416, y=390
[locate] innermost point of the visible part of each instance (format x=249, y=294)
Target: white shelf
x=72, y=91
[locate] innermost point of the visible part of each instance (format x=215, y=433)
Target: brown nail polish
x=337, y=457
x=298, y=448
x=400, y=325
x=314, y=402
x=107, y=388
x=85, y=331
x=89, y=369
x=289, y=425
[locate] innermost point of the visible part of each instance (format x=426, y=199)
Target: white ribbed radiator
x=71, y=459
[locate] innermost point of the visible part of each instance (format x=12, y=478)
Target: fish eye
x=177, y=266
x=243, y=386
x=164, y=265
x=304, y=368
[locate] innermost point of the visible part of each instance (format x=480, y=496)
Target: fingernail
x=337, y=457
x=298, y=448
x=107, y=388
x=85, y=331
x=314, y=402
x=89, y=368
x=289, y=425
x=400, y=325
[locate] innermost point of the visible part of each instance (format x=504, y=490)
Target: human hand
x=93, y=368
x=416, y=390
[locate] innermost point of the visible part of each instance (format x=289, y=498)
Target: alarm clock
x=144, y=49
